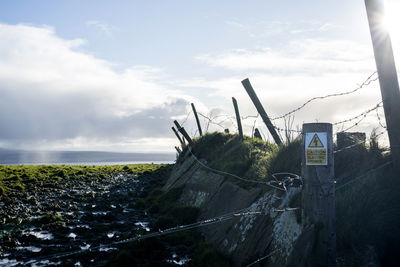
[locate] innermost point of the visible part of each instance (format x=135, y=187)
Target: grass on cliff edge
x=250, y=158
x=17, y=178
x=367, y=211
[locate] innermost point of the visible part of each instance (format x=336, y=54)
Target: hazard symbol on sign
x=315, y=142
x=316, y=149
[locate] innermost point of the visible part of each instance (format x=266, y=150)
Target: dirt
x=71, y=215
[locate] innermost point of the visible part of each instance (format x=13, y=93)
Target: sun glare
x=391, y=20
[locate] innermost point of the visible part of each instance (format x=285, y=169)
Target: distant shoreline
x=15, y=157
x=91, y=163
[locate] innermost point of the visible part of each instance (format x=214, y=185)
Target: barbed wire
x=268, y=183
x=367, y=82
x=356, y=144
x=362, y=175
x=202, y=223
x=379, y=119
x=263, y=258
x=187, y=117
x=211, y=120
x=363, y=114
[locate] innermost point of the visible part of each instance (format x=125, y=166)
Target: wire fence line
x=267, y=183
x=366, y=82
x=363, y=114
x=263, y=258
x=363, y=175
x=228, y=216
x=357, y=144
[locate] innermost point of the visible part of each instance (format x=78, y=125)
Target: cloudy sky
x=113, y=75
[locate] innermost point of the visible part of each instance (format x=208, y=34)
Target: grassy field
x=19, y=178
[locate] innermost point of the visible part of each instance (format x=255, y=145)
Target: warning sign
x=316, y=149
x=315, y=142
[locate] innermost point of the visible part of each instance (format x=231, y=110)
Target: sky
x=113, y=75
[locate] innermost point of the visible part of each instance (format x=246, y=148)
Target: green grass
x=20, y=178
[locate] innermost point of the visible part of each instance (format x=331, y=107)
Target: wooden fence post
x=177, y=135
x=239, y=123
x=319, y=190
x=178, y=150
x=197, y=119
x=257, y=133
x=387, y=75
x=261, y=111
x=184, y=133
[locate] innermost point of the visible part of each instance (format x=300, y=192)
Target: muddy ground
x=77, y=215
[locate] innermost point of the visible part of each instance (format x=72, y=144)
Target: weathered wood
x=177, y=135
x=250, y=91
x=319, y=197
x=345, y=139
x=239, y=122
x=178, y=150
x=257, y=133
x=184, y=133
x=387, y=75
x=197, y=119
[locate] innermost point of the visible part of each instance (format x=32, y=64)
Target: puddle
x=110, y=235
x=143, y=225
x=107, y=249
x=72, y=235
x=96, y=213
x=86, y=247
x=8, y=262
x=30, y=248
x=43, y=235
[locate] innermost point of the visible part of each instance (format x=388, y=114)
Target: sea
x=22, y=157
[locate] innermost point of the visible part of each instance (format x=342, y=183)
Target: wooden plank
x=253, y=96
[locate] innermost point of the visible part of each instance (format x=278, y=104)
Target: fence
x=281, y=181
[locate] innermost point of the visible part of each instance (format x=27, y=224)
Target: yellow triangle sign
x=316, y=142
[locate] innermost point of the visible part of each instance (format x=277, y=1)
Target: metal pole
x=319, y=190
x=387, y=75
x=197, y=120
x=239, y=123
x=260, y=109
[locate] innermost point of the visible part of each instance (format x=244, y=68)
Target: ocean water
x=16, y=157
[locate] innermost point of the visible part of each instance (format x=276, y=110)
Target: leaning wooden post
x=261, y=111
x=178, y=150
x=319, y=190
x=184, y=133
x=239, y=123
x=197, y=120
x=387, y=75
x=177, y=135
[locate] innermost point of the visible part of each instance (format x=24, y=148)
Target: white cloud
x=101, y=26
x=284, y=78
x=54, y=94
x=299, y=56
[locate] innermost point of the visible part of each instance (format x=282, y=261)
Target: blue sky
x=112, y=75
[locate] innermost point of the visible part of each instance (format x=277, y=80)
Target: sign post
x=319, y=191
